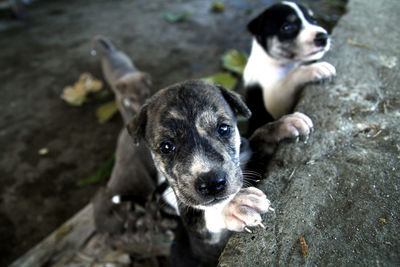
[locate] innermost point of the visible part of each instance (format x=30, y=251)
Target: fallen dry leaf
x=354, y=43
x=89, y=83
x=73, y=96
x=303, y=247
x=76, y=95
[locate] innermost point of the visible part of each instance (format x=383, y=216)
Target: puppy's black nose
x=211, y=183
x=321, y=39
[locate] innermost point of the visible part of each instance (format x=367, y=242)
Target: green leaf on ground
x=100, y=175
x=225, y=79
x=106, y=111
x=234, y=61
x=217, y=7
x=174, y=17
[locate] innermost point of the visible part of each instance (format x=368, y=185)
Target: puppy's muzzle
x=321, y=39
x=212, y=185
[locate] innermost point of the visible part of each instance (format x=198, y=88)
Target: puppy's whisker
x=252, y=178
x=248, y=179
x=247, y=183
x=252, y=173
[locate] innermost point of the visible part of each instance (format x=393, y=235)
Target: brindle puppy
x=191, y=131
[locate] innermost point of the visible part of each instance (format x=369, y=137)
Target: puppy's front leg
x=292, y=126
x=245, y=209
x=281, y=99
x=265, y=139
x=309, y=73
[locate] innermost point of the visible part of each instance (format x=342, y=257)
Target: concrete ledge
x=340, y=191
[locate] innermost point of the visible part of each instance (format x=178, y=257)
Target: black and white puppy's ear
x=256, y=27
x=137, y=127
x=235, y=102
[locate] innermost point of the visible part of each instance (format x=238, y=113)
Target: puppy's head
x=191, y=131
x=133, y=90
x=288, y=32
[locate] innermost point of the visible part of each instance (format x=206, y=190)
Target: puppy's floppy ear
x=235, y=102
x=137, y=127
x=257, y=28
x=121, y=85
x=254, y=26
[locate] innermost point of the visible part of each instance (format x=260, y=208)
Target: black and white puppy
x=191, y=131
x=286, y=39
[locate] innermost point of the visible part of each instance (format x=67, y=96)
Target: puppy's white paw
x=245, y=209
x=293, y=126
x=319, y=71
x=316, y=71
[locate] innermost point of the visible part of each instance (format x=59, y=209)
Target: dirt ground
x=49, y=50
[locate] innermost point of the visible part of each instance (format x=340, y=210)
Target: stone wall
x=340, y=191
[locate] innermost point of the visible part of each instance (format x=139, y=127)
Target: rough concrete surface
x=340, y=191
x=50, y=50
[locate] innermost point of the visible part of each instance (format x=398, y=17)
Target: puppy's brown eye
x=167, y=147
x=224, y=130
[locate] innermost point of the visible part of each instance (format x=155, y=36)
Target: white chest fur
x=267, y=72
x=214, y=219
x=215, y=223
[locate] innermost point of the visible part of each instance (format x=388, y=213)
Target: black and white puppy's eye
x=167, y=147
x=287, y=28
x=224, y=130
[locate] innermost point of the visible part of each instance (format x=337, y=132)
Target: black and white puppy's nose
x=321, y=39
x=211, y=183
